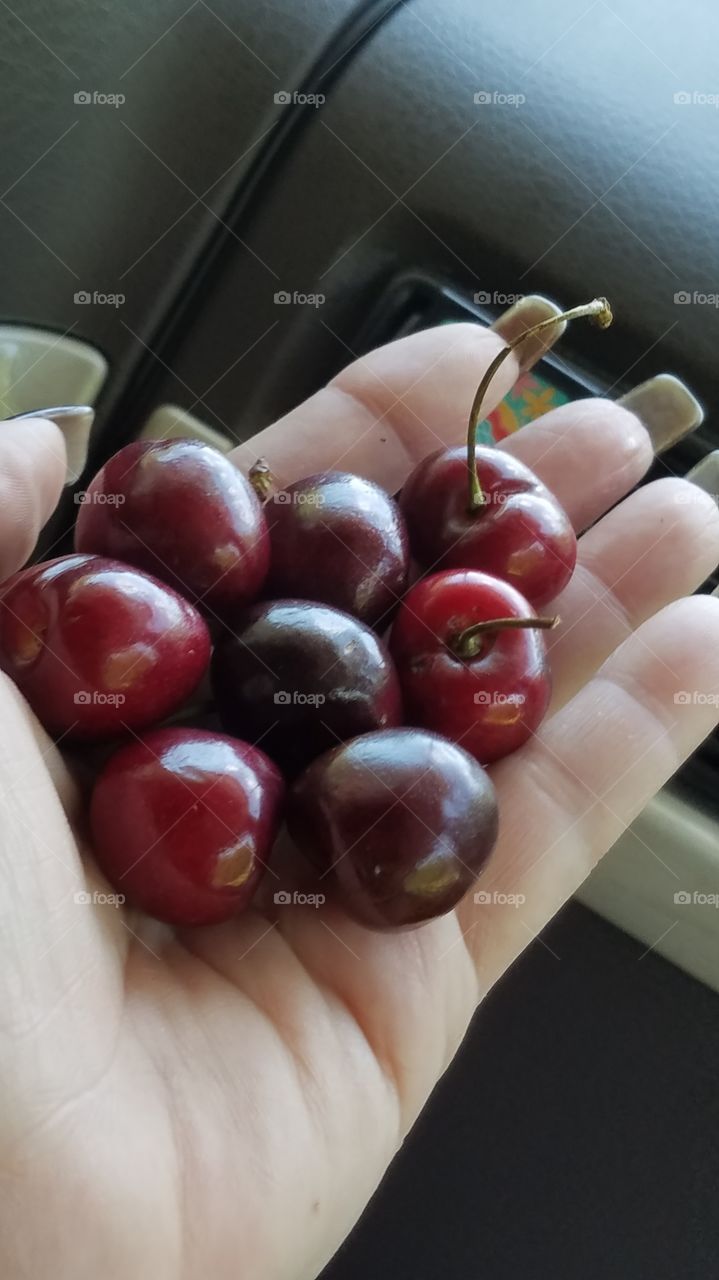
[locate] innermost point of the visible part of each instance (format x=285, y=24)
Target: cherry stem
x=598, y=311
x=468, y=643
x=262, y=480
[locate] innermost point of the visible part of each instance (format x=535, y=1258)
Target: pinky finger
x=591, y=770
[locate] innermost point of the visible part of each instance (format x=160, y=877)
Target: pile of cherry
x=356, y=706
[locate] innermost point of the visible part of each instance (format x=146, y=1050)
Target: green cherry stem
x=470, y=642
x=598, y=311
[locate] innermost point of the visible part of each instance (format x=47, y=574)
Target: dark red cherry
x=341, y=540
x=97, y=647
x=404, y=821
x=299, y=677
x=183, y=823
x=520, y=533
x=472, y=661
x=180, y=510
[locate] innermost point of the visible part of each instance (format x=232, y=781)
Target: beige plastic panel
x=169, y=422
x=660, y=883
x=39, y=369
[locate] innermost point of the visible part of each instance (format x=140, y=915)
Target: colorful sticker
x=530, y=397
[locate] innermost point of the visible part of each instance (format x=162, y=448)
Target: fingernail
x=522, y=316
x=705, y=475
x=667, y=409
x=75, y=421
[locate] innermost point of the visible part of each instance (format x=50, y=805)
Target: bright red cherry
x=472, y=661
x=299, y=677
x=183, y=823
x=97, y=647
x=519, y=533
x=481, y=509
x=180, y=510
x=404, y=821
x=341, y=540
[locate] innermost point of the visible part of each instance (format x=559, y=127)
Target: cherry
x=180, y=510
x=183, y=822
x=341, y=540
x=472, y=662
x=96, y=646
x=300, y=677
x=484, y=510
x=403, y=819
x=521, y=534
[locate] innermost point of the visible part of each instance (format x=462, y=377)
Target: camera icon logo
x=283, y=698
x=82, y=897
x=682, y=898
x=282, y=497
x=82, y=97
x=682, y=97
x=483, y=97
x=683, y=698
x=483, y=897
x=682, y=297
x=82, y=698
x=283, y=298
x=283, y=898
x=282, y=97
x=82, y=297
x=482, y=298
x=482, y=699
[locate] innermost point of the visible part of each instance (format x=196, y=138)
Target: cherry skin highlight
x=299, y=677
x=401, y=820
x=491, y=691
x=183, y=822
x=341, y=540
x=181, y=511
x=97, y=647
x=521, y=534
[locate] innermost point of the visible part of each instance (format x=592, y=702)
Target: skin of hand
x=224, y=1102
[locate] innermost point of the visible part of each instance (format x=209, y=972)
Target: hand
x=224, y=1102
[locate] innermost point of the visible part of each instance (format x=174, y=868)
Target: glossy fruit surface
x=341, y=540
x=299, y=677
x=96, y=646
x=183, y=823
x=179, y=510
x=404, y=819
x=491, y=695
x=521, y=534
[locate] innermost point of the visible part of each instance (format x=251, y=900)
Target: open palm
x=223, y=1102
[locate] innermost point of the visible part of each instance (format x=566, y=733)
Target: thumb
x=32, y=475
